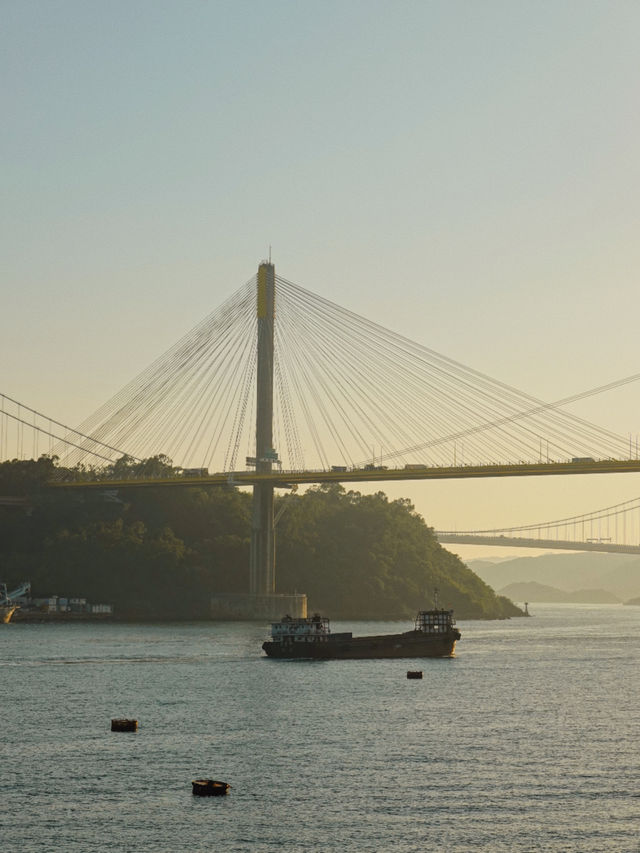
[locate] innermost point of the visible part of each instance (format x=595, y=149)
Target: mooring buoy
x=209, y=788
x=124, y=725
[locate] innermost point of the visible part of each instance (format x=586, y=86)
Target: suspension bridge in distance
x=325, y=387
x=502, y=541
x=613, y=529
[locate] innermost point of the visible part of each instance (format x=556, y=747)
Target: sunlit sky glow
x=463, y=173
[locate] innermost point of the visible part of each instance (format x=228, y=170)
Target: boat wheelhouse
x=312, y=629
x=435, y=621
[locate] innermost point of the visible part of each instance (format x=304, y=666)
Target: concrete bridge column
x=262, y=602
x=262, y=569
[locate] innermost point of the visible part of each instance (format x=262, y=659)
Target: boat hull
x=413, y=644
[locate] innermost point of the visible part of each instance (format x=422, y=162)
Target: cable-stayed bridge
x=280, y=387
x=352, y=402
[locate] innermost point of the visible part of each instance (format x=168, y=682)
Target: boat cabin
x=435, y=621
x=300, y=630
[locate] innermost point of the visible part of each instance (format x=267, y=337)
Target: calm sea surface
x=526, y=741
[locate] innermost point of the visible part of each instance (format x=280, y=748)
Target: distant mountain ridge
x=532, y=591
x=616, y=574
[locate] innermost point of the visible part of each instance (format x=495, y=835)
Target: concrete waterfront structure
x=238, y=607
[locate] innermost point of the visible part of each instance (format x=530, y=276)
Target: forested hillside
x=161, y=553
x=363, y=554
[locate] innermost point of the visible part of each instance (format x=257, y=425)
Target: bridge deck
x=285, y=479
x=522, y=542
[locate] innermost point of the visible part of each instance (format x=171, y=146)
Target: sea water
x=526, y=741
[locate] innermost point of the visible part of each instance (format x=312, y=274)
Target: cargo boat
x=434, y=636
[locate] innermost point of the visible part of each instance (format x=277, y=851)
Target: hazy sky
x=466, y=173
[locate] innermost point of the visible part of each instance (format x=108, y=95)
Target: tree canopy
x=163, y=552
x=354, y=553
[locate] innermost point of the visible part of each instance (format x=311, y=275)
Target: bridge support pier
x=262, y=579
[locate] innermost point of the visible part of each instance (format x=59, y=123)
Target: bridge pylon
x=262, y=579
x=262, y=601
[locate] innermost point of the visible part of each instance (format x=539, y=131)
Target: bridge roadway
x=521, y=542
x=286, y=479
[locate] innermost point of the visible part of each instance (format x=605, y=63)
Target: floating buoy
x=209, y=788
x=414, y=673
x=124, y=725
